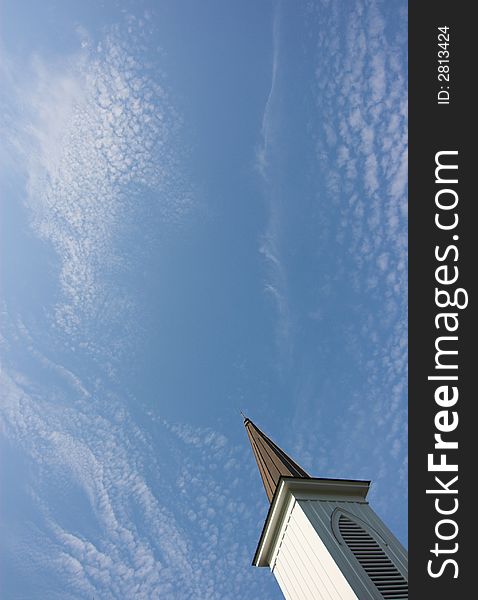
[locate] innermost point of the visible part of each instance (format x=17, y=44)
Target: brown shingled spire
x=271, y=460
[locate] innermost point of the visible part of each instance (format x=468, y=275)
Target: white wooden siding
x=310, y=564
x=303, y=566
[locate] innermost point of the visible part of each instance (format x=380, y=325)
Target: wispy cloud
x=361, y=148
x=124, y=510
x=275, y=285
x=269, y=118
x=355, y=164
x=123, y=504
x=98, y=139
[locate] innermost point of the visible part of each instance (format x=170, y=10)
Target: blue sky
x=203, y=210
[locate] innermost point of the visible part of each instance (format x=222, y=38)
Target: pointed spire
x=271, y=460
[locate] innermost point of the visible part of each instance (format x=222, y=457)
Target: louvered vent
x=384, y=574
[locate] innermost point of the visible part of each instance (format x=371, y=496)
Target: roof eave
x=311, y=488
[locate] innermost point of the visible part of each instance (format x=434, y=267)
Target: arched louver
x=387, y=578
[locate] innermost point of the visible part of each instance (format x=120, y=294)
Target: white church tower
x=321, y=539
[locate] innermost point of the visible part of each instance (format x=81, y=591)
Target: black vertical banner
x=442, y=232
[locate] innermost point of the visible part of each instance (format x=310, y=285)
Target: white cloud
x=125, y=511
x=96, y=136
x=359, y=131
x=122, y=511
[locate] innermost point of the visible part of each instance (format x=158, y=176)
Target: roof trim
x=312, y=488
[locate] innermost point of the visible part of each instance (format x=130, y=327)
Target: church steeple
x=321, y=538
x=271, y=460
